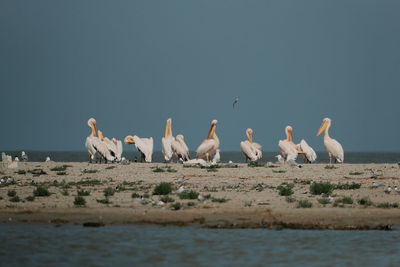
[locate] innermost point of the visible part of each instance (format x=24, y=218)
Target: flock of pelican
x=101, y=148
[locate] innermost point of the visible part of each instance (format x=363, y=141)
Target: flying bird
x=235, y=102
x=251, y=150
x=334, y=148
x=209, y=147
x=143, y=145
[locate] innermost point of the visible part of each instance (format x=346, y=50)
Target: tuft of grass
x=344, y=200
x=304, y=204
x=278, y=171
x=356, y=173
x=323, y=201
x=104, y=201
x=37, y=172
x=79, y=201
x=365, y=202
x=65, y=192
x=158, y=169
x=11, y=193
x=30, y=198
x=20, y=172
x=254, y=164
x=146, y=195
x=321, y=188
x=190, y=204
x=330, y=167
x=61, y=173
x=110, y=167
x=167, y=199
x=285, y=189
x=41, y=191
x=188, y=195
x=135, y=195
x=89, y=171
x=162, y=189
x=176, y=206
x=15, y=199
x=348, y=186
x=169, y=169
x=62, y=168
x=109, y=191
x=387, y=205
x=219, y=200
x=290, y=199
x=83, y=193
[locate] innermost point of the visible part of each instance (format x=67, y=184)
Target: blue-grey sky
x=133, y=64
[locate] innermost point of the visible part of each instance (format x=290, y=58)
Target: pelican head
x=168, y=128
x=211, y=132
x=179, y=136
x=249, y=133
x=92, y=124
x=289, y=133
x=326, y=123
x=129, y=140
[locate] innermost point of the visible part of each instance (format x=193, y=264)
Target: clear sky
x=133, y=64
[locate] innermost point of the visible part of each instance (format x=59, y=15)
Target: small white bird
x=16, y=159
x=387, y=190
x=281, y=160
x=397, y=190
x=217, y=157
x=181, y=189
x=47, y=159
x=24, y=157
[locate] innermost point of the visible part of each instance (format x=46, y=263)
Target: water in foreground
x=38, y=245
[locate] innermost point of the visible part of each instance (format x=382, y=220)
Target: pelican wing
x=335, y=149
x=145, y=145
x=257, y=148
x=90, y=145
x=119, y=149
x=288, y=150
x=248, y=150
x=179, y=149
x=310, y=153
x=208, y=146
x=166, y=143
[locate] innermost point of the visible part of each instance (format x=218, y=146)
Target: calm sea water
x=81, y=156
x=45, y=245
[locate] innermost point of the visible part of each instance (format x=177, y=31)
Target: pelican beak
x=290, y=135
x=168, y=129
x=94, y=129
x=129, y=140
x=249, y=133
x=322, y=128
x=211, y=132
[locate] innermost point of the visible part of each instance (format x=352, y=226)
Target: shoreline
x=245, y=197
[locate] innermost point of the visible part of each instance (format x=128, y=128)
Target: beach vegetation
x=162, y=189
x=158, y=169
x=22, y=172
x=387, y=205
x=212, y=189
x=330, y=167
x=11, y=193
x=83, y=193
x=188, y=195
x=89, y=171
x=167, y=199
x=79, y=201
x=290, y=199
x=271, y=166
x=104, y=201
x=304, y=204
x=65, y=192
x=219, y=200
x=135, y=195
x=176, y=206
x=191, y=204
x=59, y=169
x=342, y=201
x=356, y=173
x=323, y=201
x=365, y=202
x=321, y=188
x=109, y=191
x=278, y=171
x=88, y=182
x=61, y=173
x=248, y=203
x=254, y=164
x=145, y=195
x=347, y=186
x=15, y=199
x=30, y=198
x=110, y=167
x=37, y=172
x=285, y=189
x=41, y=191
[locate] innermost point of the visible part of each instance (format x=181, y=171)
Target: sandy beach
x=242, y=197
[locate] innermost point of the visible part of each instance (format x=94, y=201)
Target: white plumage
x=166, y=141
x=251, y=150
x=179, y=148
x=287, y=148
x=309, y=153
x=209, y=146
x=334, y=148
x=143, y=145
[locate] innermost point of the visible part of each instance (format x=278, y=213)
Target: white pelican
x=118, y=144
x=307, y=151
x=333, y=147
x=251, y=150
x=167, y=140
x=143, y=145
x=287, y=147
x=209, y=146
x=96, y=148
x=179, y=148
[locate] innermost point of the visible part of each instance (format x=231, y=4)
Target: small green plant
x=330, y=167
x=109, y=191
x=344, y=200
x=145, y=195
x=11, y=193
x=278, y=171
x=79, y=201
x=15, y=199
x=190, y=204
x=110, y=167
x=30, y=198
x=219, y=200
x=20, y=172
x=347, y=186
x=253, y=164
x=89, y=171
x=321, y=188
x=176, y=206
x=323, y=201
x=61, y=173
x=83, y=193
x=41, y=191
x=59, y=168
x=104, y=201
x=169, y=169
x=387, y=205
x=356, y=173
x=158, y=169
x=188, y=195
x=88, y=182
x=135, y=195
x=365, y=202
x=304, y=204
x=162, y=189
x=290, y=199
x=285, y=189
x=167, y=199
